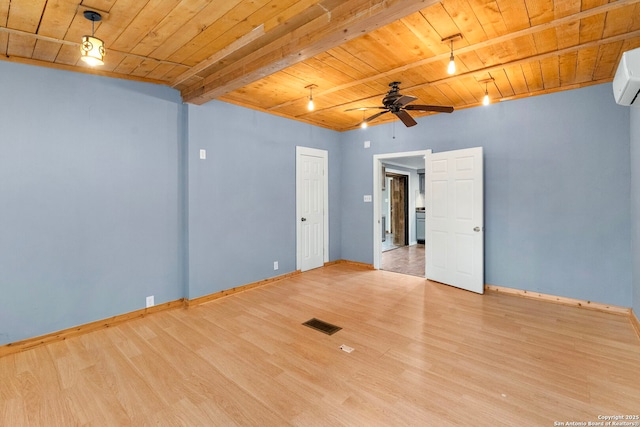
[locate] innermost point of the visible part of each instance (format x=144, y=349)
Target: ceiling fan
x=395, y=103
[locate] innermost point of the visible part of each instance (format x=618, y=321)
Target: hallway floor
x=405, y=260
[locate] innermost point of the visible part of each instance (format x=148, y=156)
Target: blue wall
x=104, y=199
x=88, y=198
x=557, y=189
x=635, y=205
x=242, y=213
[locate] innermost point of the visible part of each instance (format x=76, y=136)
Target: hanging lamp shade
x=92, y=48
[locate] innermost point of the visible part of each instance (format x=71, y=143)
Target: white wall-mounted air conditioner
x=626, y=83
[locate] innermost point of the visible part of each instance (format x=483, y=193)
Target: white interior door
x=455, y=219
x=311, y=210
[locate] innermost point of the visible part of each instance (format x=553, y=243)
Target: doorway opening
x=397, y=204
x=399, y=253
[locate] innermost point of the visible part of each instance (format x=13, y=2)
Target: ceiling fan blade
x=406, y=118
x=436, y=108
x=375, y=116
x=404, y=100
x=366, y=108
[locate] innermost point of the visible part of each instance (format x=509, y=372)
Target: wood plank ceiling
x=262, y=54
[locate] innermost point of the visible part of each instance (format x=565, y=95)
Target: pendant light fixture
x=485, y=99
x=92, y=48
x=310, y=104
x=451, y=68
x=364, y=123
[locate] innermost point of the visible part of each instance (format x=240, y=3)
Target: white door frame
x=377, y=188
x=324, y=154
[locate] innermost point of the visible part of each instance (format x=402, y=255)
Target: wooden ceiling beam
x=340, y=22
x=255, y=34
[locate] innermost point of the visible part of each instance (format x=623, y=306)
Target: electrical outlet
x=275, y=265
x=367, y=198
x=203, y=154
x=150, y=302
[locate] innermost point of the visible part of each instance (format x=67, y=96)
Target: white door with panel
x=310, y=200
x=455, y=218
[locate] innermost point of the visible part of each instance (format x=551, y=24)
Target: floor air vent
x=321, y=326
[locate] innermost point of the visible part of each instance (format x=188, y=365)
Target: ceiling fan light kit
x=364, y=124
x=92, y=48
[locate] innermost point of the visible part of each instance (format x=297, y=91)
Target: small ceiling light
x=451, y=69
x=310, y=105
x=92, y=48
x=364, y=124
x=452, y=64
x=485, y=99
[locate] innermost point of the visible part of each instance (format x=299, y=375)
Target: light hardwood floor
x=425, y=354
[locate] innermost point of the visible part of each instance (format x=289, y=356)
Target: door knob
x=303, y=219
x=476, y=229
